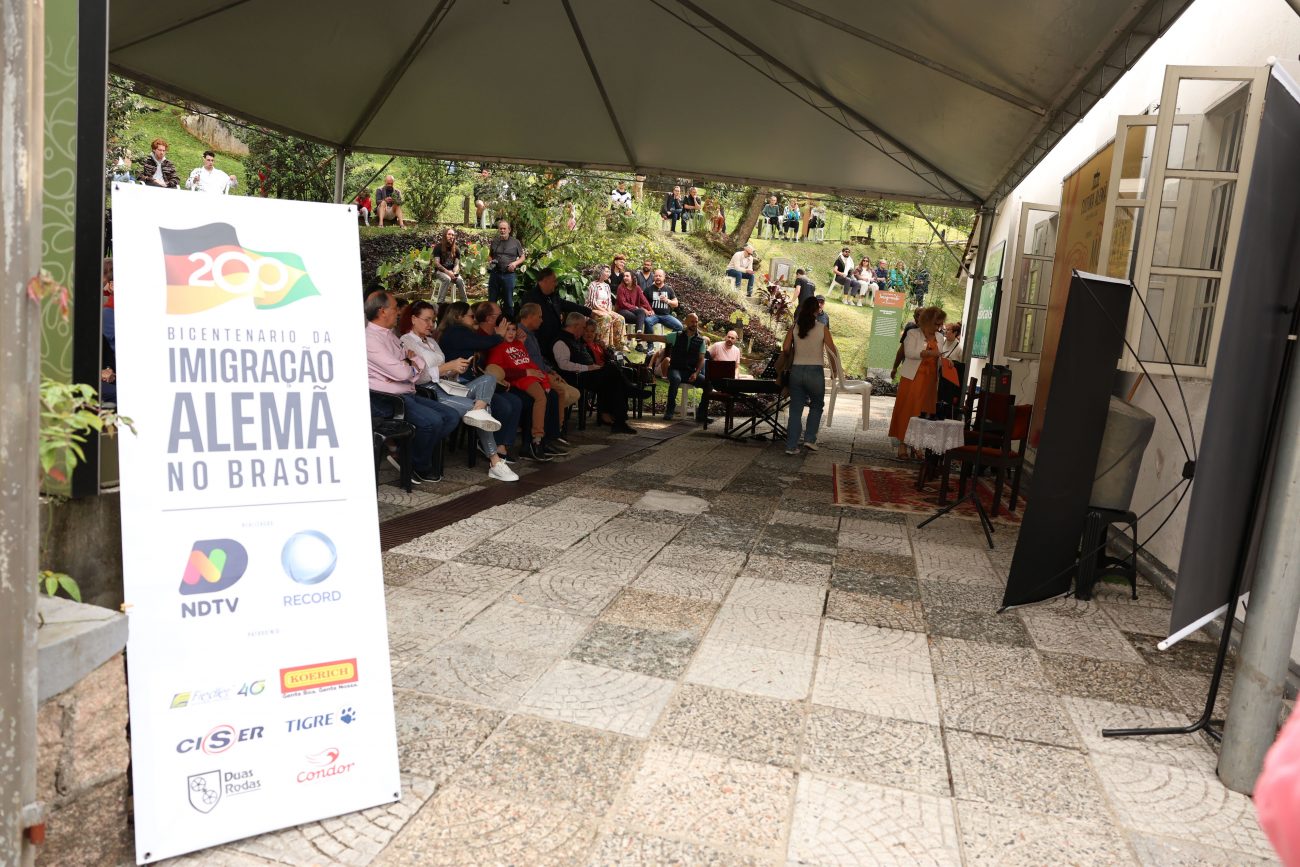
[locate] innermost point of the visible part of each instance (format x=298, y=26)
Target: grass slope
x=184, y=150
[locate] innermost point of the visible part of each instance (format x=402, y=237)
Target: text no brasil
x=252, y=472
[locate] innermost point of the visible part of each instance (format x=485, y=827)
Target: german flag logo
x=207, y=266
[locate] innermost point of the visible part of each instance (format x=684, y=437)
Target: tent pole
x=986, y=213
x=340, y=171
x=1262, y=663
x=21, y=166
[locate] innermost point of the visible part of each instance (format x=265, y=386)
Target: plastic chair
x=840, y=385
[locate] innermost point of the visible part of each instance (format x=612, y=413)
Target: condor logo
x=325, y=764
x=312, y=678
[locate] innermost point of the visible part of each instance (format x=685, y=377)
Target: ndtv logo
x=324, y=674
x=326, y=764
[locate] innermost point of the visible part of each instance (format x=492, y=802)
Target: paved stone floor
x=582, y=681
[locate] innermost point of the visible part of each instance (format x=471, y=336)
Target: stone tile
x=563, y=592
x=876, y=646
x=634, y=849
x=224, y=856
x=791, y=571
x=817, y=537
x=644, y=610
x=802, y=551
x=1146, y=621
x=753, y=670
x=893, y=693
x=901, y=614
x=714, y=800
x=893, y=586
x=515, y=626
x=1023, y=715
x=1024, y=776
x=467, y=579
x=1191, y=656
x=934, y=556
x=525, y=557
x=599, y=697
x=1189, y=690
x=1117, y=592
x=485, y=676
x=540, y=760
x=419, y=620
x=588, y=561
x=874, y=562
x=434, y=737
x=530, y=535
x=873, y=749
x=993, y=835
x=984, y=598
x=1079, y=636
x=353, y=839
x=846, y=822
x=441, y=544
x=767, y=628
x=707, y=586
x=741, y=506
x=872, y=543
x=777, y=596
x=881, y=516
x=724, y=723
x=464, y=826
x=994, y=665
x=509, y=512
x=399, y=569
x=1091, y=716
x=1107, y=680
x=645, y=651
x=701, y=559
x=1005, y=628
x=1180, y=802
x=1068, y=606
x=1153, y=851
x=871, y=527
x=804, y=519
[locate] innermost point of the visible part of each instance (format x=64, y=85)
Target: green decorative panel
x=60, y=184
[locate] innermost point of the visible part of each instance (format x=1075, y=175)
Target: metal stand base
x=973, y=496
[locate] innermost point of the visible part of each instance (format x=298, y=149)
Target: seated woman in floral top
x=601, y=301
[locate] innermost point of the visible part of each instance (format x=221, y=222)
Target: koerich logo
x=214, y=565
x=304, y=679
x=325, y=764
x=207, y=266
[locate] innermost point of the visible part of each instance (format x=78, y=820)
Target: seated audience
x=685, y=356
x=470, y=400
x=645, y=278
x=573, y=360
x=741, y=267
x=364, y=206
x=601, y=301
x=460, y=336
x=672, y=209
x=692, y=207
x=158, y=171
x=388, y=200
x=772, y=215
x=530, y=319
x=718, y=220
x=617, y=269
x=554, y=308
x=620, y=199
x=631, y=303
x=726, y=349
x=790, y=219
x=842, y=268
x=394, y=370
x=524, y=376
x=663, y=301
x=446, y=265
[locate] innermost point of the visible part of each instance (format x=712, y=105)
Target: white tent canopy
x=929, y=100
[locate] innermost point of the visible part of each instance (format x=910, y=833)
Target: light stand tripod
x=972, y=491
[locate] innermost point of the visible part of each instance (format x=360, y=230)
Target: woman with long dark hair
x=446, y=262
x=809, y=339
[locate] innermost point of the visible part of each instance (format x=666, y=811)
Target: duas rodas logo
x=207, y=267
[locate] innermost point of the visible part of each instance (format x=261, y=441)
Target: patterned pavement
x=581, y=680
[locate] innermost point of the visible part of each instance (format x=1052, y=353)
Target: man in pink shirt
x=726, y=349
x=394, y=370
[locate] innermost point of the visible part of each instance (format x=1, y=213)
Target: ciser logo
x=220, y=739
x=207, y=267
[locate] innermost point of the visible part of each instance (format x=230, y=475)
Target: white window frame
x=1019, y=268
x=1143, y=267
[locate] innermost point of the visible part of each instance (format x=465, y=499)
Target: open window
x=1186, y=164
x=1035, y=249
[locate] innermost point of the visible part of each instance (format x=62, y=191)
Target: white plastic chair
x=837, y=385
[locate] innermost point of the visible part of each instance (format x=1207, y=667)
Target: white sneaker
x=481, y=418
x=502, y=473
x=812, y=447
x=792, y=451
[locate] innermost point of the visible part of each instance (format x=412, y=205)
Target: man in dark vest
x=554, y=309
x=685, y=364
x=577, y=365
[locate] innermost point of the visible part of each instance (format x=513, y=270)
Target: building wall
x=1209, y=33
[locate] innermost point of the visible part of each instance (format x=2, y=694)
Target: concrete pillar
x=340, y=172
x=22, y=145
x=1273, y=609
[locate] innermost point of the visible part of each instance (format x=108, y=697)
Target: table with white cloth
x=935, y=437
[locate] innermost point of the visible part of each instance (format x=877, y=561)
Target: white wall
x=1209, y=33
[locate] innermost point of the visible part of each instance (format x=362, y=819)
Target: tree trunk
x=753, y=208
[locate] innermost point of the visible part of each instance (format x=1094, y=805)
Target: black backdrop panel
x=1078, y=401
x=1247, y=371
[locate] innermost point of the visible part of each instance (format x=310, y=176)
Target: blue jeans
x=433, y=422
x=678, y=379
x=506, y=408
x=672, y=323
x=738, y=276
x=501, y=290
x=480, y=388
x=807, y=388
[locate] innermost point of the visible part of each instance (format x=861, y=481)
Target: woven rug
x=894, y=489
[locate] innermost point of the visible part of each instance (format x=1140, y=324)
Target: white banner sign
x=258, y=653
